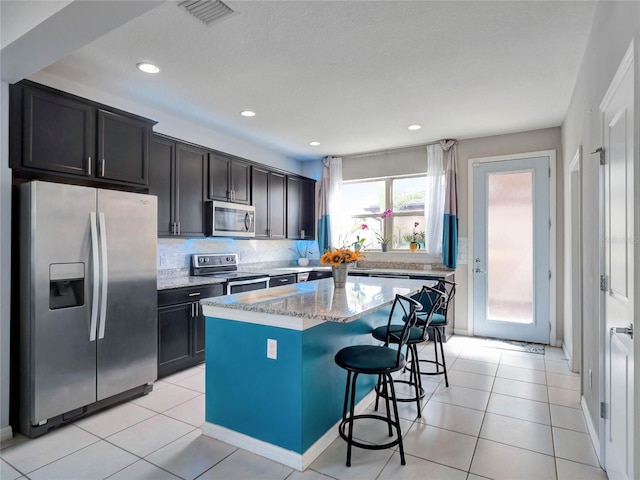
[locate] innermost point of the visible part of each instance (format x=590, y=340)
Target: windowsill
x=400, y=256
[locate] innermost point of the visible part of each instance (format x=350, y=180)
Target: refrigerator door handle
x=96, y=276
x=105, y=275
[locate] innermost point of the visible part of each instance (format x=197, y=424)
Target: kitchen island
x=272, y=386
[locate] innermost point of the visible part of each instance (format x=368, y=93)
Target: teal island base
x=272, y=385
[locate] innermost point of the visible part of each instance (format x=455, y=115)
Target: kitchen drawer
x=175, y=296
x=280, y=280
x=318, y=274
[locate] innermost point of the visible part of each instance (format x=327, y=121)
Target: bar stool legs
x=349, y=418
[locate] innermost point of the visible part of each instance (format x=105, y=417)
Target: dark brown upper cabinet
x=229, y=178
x=301, y=208
x=178, y=177
x=53, y=133
x=268, y=196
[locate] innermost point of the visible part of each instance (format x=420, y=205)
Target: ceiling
x=351, y=75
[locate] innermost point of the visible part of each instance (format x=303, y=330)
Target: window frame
x=388, y=202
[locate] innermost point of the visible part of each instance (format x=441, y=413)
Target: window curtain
x=450, y=220
x=329, y=203
x=434, y=204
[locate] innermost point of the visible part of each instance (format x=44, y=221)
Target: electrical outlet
x=590, y=378
x=272, y=348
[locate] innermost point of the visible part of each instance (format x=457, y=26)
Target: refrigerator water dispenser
x=66, y=285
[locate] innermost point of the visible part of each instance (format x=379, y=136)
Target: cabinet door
x=259, y=199
x=308, y=209
x=219, y=177
x=174, y=337
x=161, y=175
x=240, y=181
x=277, y=205
x=57, y=133
x=294, y=207
x=123, y=148
x=191, y=190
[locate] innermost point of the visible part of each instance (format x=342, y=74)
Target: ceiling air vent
x=207, y=11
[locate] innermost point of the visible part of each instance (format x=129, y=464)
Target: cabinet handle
x=178, y=228
x=88, y=165
x=192, y=309
x=102, y=175
x=197, y=309
x=194, y=294
x=301, y=233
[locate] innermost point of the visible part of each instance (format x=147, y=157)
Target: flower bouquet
x=339, y=259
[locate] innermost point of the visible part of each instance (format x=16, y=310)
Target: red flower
x=364, y=226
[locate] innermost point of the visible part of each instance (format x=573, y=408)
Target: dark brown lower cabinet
x=181, y=327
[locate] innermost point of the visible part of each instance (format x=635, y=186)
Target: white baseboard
x=459, y=331
x=592, y=430
x=273, y=452
x=6, y=433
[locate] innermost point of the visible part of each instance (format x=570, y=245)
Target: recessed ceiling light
x=248, y=113
x=414, y=127
x=314, y=144
x=148, y=67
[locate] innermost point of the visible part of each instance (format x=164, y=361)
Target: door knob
x=477, y=270
x=624, y=330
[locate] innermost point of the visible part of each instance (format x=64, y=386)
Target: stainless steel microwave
x=224, y=219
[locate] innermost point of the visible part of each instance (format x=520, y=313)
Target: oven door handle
x=248, y=282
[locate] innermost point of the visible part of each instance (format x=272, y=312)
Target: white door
x=618, y=285
x=511, y=222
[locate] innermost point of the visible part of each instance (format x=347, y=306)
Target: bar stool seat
x=382, y=361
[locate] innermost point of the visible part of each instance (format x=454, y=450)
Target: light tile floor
x=506, y=415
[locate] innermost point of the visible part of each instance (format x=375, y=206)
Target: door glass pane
x=510, y=247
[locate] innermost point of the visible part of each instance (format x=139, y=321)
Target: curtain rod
x=391, y=150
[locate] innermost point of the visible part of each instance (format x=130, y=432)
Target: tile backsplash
x=174, y=253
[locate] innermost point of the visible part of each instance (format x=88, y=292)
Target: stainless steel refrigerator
x=88, y=299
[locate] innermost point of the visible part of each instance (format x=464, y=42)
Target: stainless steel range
x=225, y=266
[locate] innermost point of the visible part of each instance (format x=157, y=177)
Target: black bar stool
x=417, y=334
x=382, y=361
x=439, y=320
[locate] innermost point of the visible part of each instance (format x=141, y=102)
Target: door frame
x=551, y=154
x=573, y=305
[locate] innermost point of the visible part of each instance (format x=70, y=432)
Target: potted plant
x=384, y=241
x=415, y=245
x=302, y=251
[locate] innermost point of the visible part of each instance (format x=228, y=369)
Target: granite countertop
x=183, y=279
x=317, y=300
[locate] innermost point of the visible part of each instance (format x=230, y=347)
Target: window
x=366, y=200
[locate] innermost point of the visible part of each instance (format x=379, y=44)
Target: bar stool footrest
x=368, y=446
x=381, y=393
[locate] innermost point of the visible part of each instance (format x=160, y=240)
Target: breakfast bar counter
x=272, y=386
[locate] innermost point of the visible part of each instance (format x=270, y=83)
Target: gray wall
x=371, y=166
x=536, y=140
x=615, y=25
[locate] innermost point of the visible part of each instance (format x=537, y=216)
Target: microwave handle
x=248, y=221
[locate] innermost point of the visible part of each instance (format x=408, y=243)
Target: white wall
x=615, y=25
